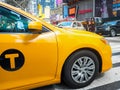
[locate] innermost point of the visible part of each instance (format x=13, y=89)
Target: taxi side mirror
x=35, y=26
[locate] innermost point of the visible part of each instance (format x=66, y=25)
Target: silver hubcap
x=113, y=33
x=83, y=69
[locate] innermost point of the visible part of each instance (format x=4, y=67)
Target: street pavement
x=109, y=80
x=113, y=39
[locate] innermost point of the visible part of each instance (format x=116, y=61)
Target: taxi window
x=11, y=21
x=118, y=23
x=78, y=24
x=74, y=24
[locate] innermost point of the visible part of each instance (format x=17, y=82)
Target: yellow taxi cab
x=34, y=53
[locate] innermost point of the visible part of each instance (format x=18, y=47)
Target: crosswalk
x=115, y=53
x=109, y=80
x=115, y=47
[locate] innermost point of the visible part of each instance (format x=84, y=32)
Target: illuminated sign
x=116, y=1
x=65, y=11
x=72, y=11
x=84, y=11
x=58, y=2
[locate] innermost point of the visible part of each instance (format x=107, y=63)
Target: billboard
x=104, y=8
x=72, y=11
x=116, y=7
x=65, y=11
x=59, y=2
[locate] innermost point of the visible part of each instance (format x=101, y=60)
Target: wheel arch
x=113, y=29
x=90, y=49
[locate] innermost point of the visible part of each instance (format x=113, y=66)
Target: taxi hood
x=82, y=33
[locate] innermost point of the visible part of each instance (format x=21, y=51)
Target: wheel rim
x=113, y=33
x=83, y=69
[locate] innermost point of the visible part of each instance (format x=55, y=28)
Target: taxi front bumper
x=106, y=58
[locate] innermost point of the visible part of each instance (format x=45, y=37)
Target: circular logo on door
x=12, y=60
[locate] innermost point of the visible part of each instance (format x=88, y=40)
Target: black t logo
x=11, y=60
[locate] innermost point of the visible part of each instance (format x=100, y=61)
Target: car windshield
x=109, y=23
x=64, y=24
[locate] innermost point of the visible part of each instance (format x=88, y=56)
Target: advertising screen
x=116, y=7
x=58, y=2
x=104, y=8
x=65, y=11
x=72, y=11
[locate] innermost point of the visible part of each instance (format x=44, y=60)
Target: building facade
x=80, y=9
x=46, y=7
x=47, y=3
x=56, y=14
x=32, y=7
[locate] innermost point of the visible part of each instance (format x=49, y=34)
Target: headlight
x=108, y=28
x=104, y=41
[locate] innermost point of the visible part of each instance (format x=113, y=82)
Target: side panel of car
x=25, y=58
x=69, y=48
x=118, y=27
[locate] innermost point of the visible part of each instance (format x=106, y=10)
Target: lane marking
x=108, y=77
x=116, y=59
x=111, y=86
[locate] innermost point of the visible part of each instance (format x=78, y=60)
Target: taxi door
x=26, y=58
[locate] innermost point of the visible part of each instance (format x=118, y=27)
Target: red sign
x=84, y=11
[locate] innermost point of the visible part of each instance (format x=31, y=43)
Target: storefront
x=93, y=8
x=93, y=12
x=85, y=9
x=80, y=9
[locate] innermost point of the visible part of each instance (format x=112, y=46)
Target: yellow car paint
x=45, y=53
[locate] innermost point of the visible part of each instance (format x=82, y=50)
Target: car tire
x=113, y=33
x=80, y=69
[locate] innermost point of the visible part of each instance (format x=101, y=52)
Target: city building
x=32, y=7
x=46, y=6
x=26, y=5
x=93, y=12
x=59, y=12
x=2, y=0
x=80, y=9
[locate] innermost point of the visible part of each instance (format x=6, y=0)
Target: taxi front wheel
x=80, y=69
